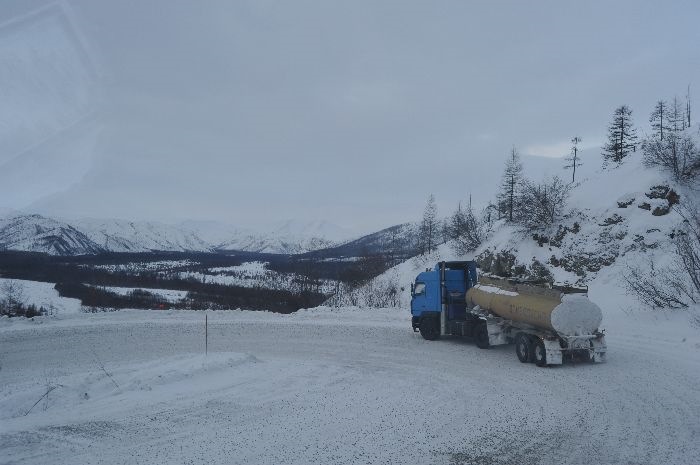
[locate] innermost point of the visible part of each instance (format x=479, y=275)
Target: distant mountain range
x=399, y=241
x=38, y=233
x=285, y=237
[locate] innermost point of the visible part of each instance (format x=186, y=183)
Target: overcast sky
x=352, y=111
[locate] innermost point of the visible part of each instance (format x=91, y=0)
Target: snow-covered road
x=348, y=386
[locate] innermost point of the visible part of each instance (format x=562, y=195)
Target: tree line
x=530, y=205
x=672, y=145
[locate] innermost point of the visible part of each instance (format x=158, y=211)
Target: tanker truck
x=547, y=324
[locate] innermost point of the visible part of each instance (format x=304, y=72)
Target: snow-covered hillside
x=399, y=241
x=37, y=233
x=616, y=217
x=143, y=236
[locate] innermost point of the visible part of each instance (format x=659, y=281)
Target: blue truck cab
x=438, y=300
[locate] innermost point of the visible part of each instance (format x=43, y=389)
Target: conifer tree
x=676, y=116
x=659, y=119
x=622, y=136
x=511, y=183
x=429, y=228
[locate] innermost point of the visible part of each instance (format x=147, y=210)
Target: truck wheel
x=481, y=336
x=539, y=353
x=523, y=348
x=429, y=329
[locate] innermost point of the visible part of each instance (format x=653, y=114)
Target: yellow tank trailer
x=567, y=314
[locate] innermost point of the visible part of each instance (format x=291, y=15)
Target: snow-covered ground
x=42, y=295
x=349, y=385
x=136, y=267
x=169, y=295
x=252, y=269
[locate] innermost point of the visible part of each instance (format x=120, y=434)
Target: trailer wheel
x=481, y=336
x=539, y=353
x=429, y=329
x=524, y=348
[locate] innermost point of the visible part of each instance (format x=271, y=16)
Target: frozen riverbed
x=322, y=386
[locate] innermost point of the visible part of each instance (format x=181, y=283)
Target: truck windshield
x=419, y=289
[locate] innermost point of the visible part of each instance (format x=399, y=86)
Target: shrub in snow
x=676, y=284
x=501, y=263
x=678, y=154
x=95, y=309
x=625, y=203
x=504, y=263
x=543, y=204
x=657, y=287
x=688, y=246
x=539, y=272
x=465, y=231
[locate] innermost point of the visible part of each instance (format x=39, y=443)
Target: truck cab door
x=418, y=299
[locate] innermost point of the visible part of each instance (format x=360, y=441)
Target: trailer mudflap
x=598, y=349
x=497, y=336
x=553, y=350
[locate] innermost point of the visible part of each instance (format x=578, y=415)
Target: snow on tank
x=576, y=315
x=569, y=314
